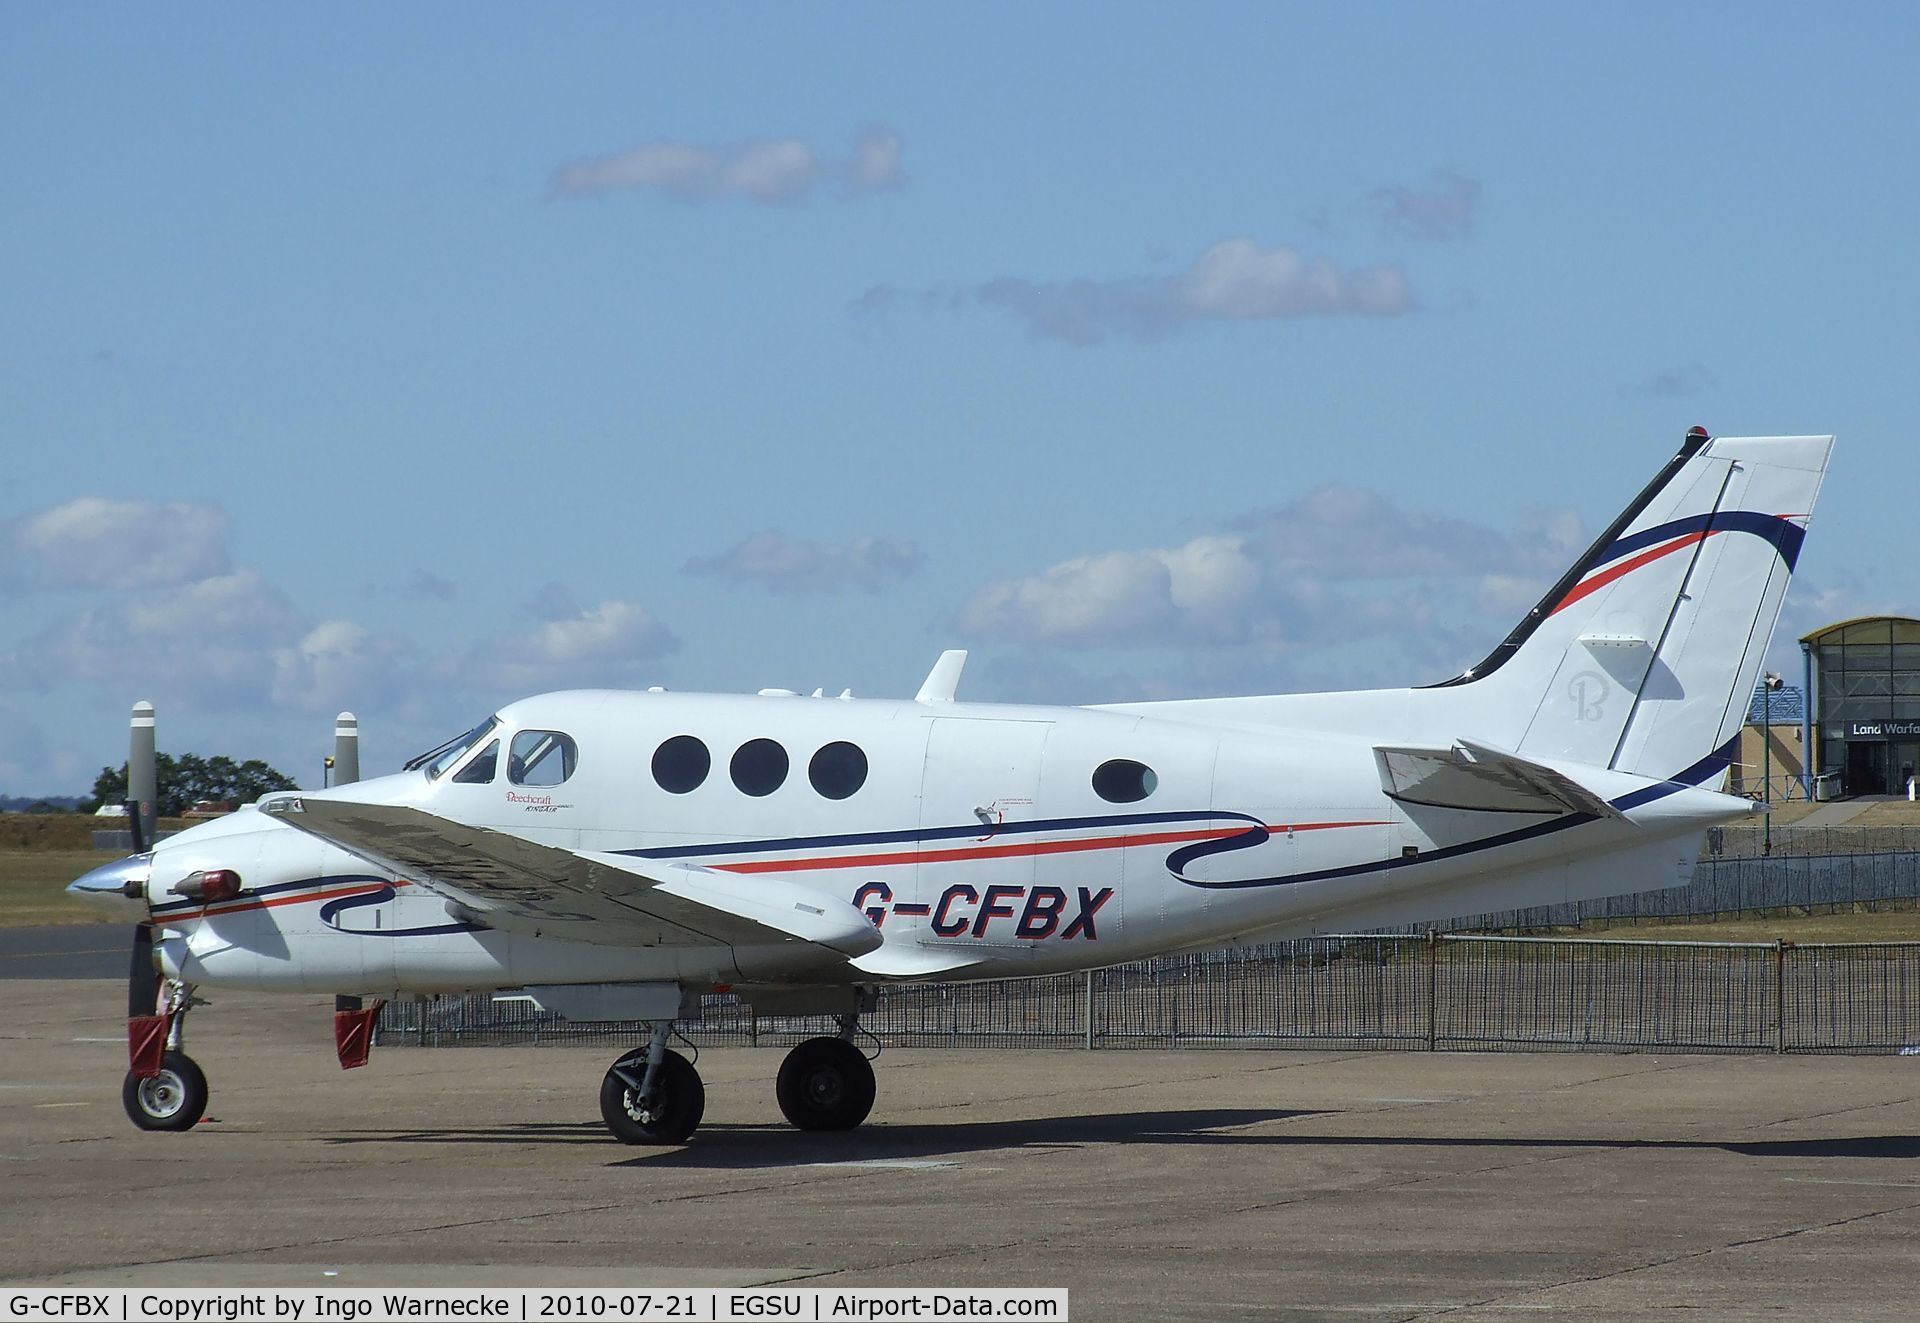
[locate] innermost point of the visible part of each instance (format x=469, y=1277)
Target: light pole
x=1768, y=684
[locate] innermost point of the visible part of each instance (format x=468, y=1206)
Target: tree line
x=189, y=779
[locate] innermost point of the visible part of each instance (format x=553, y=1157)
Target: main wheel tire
x=175, y=1099
x=825, y=1084
x=679, y=1101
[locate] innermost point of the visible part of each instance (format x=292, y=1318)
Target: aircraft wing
x=515, y=884
x=1483, y=779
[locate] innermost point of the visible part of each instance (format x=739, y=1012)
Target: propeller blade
x=143, y=980
x=138, y=821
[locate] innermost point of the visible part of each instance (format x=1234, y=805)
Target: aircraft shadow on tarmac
x=778, y=1145
x=747, y=1146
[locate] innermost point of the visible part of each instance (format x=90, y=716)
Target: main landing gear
x=826, y=1083
x=653, y=1095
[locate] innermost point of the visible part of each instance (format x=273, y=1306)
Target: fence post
x=1089, y=1025
x=1780, y=995
x=1433, y=978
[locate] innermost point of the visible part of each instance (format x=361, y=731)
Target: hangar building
x=1862, y=725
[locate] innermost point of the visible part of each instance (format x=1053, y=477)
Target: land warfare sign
x=1883, y=730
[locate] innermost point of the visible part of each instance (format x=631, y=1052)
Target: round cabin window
x=759, y=767
x=838, y=770
x=1123, y=781
x=681, y=763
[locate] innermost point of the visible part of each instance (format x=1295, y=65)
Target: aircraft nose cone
x=106, y=886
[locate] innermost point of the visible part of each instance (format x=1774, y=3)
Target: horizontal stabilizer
x=1481, y=779
x=508, y=882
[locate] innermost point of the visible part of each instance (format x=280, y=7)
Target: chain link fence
x=1752, y=840
x=1432, y=992
x=1723, y=886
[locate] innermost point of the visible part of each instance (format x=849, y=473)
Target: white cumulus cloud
x=1339, y=563
x=567, y=647
x=339, y=663
x=1233, y=280
x=227, y=642
x=781, y=563
x=1343, y=532
x=1112, y=597
x=93, y=542
x=876, y=161
x=763, y=170
x=213, y=639
x=1240, y=280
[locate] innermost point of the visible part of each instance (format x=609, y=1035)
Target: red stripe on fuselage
x=1012, y=849
x=825, y=862
x=243, y=906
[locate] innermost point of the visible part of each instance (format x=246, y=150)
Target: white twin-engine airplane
x=617, y=855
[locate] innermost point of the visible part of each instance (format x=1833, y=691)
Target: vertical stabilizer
x=1643, y=656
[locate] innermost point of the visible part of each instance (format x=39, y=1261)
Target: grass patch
x=1890, y=813
x=33, y=886
x=1901, y=925
x=63, y=831
x=1880, y=813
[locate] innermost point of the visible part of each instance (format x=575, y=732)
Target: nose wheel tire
x=670, y=1116
x=825, y=1084
x=175, y=1099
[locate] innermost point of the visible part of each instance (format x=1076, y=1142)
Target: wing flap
x=511, y=882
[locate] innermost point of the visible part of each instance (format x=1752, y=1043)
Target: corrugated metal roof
x=1839, y=625
x=1789, y=705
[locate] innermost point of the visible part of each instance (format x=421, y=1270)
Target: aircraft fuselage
x=980, y=832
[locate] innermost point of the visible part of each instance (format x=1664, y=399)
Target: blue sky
x=412, y=359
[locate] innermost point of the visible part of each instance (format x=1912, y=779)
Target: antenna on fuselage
x=944, y=678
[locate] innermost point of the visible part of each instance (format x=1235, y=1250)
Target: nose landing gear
x=173, y=1099
x=165, y=1089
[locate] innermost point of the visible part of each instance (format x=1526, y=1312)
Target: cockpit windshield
x=442, y=756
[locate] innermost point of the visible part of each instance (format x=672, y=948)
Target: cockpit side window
x=541, y=758
x=479, y=771
x=439, y=758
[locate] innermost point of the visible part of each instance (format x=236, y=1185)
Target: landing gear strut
x=652, y=1095
x=169, y=1093
x=826, y=1083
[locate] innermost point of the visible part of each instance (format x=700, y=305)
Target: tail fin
x=1644, y=656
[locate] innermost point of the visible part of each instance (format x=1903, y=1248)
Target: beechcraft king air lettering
x=614, y=856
